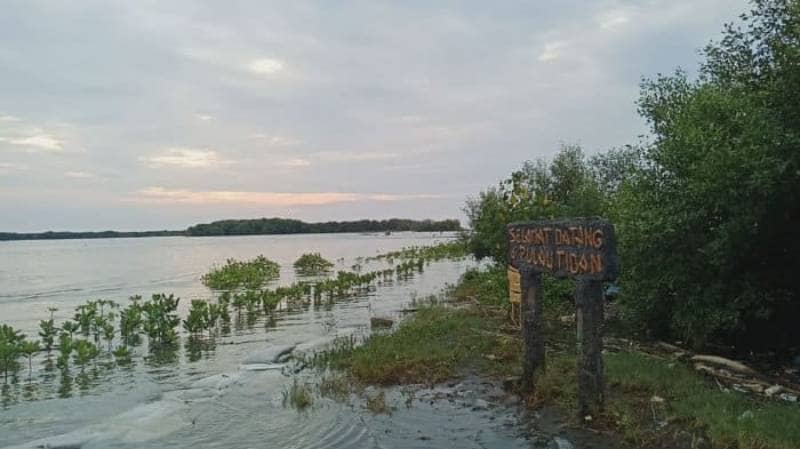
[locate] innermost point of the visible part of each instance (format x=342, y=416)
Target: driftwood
x=751, y=382
x=726, y=363
x=669, y=347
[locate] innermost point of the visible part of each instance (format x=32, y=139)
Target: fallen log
x=727, y=363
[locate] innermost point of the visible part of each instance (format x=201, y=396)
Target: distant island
x=257, y=226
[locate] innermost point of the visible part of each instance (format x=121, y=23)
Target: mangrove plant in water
x=235, y=274
x=312, y=263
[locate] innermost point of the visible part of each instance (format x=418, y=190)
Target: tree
x=708, y=224
x=563, y=187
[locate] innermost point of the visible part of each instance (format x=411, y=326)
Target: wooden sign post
x=581, y=249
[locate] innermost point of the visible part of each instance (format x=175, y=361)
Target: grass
x=429, y=348
x=377, y=404
x=635, y=384
x=335, y=386
x=651, y=402
x=298, y=396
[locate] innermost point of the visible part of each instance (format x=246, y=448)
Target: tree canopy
x=706, y=209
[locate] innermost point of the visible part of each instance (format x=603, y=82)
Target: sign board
x=583, y=248
x=514, y=286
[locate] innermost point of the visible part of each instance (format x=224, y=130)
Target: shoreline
x=656, y=398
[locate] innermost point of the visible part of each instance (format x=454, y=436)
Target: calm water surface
x=211, y=397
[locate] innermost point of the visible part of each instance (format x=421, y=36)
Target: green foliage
x=199, y=319
x=84, y=352
x=708, y=224
x=732, y=419
x=161, y=319
x=250, y=274
x=564, y=187
x=429, y=253
x=487, y=286
x=131, y=322
x=48, y=333
x=11, y=345
x=64, y=348
x=706, y=211
x=427, y=348
x=312, y=263
x=122, y=355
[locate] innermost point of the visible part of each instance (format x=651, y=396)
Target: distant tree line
x=289, y=226
x=255, y=227
x=66, y=235
x=707, y=211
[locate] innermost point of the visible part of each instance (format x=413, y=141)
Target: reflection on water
x=206, y=391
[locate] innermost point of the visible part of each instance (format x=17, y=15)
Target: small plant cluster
x=79, y=340
x=206, y=316
x=14, y=345
x=236, y=274
x=103, y=330
x=312, y=263
x=431, y=253
x=298, y=396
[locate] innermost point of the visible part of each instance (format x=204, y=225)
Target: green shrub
x=312, y=263
x=235, y=274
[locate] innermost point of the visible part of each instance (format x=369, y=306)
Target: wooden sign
x=580, y=248
x=514, y=286
x=583, y=249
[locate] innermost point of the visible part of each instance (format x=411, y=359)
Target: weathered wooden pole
x=532, y=332
x=589, y=314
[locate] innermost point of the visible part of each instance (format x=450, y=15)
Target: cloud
x=32, y=138
x=294, y=163
x=10, y=167
x=185, y=158
x=352, y=156
x=265, y=66
x=613, y=19
x=203, y=117
x=36, y=142
x=551, y=51
x=181, y=196
x=276, y=141
x=79, y=175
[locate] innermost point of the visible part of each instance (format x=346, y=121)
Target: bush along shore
x=657, y=395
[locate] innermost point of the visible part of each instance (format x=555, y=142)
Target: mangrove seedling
x=199, y=318
x=85, y=352
x=130, y=322
x=312, y=263
x=161, y=319
x=28, y=349
x=70, y=327
x=11, y=342
x=64, y=349
x=234, y=274
x=122, y=355
x=48, y=333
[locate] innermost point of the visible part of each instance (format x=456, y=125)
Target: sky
x=153, y=115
